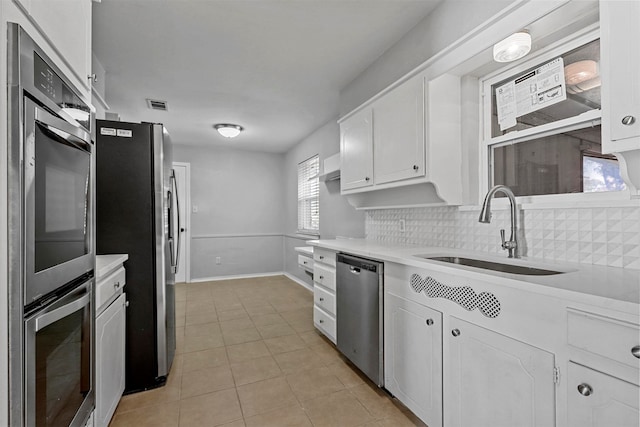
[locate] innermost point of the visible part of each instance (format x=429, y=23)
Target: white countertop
x=305, y=250
x=106, y=263
x=617, y=288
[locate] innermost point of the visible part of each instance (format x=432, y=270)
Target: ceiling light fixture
x=513, y=47
x=228, y=130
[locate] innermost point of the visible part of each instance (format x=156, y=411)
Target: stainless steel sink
x=491, y=265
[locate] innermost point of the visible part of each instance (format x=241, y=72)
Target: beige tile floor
x=249, y=355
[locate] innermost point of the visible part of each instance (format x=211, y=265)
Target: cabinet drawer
x=325, y=256
x=324, y=275
x=305, y=262
x=110, y=286
x=610, y=338
x=325, y=299
x=325, y=322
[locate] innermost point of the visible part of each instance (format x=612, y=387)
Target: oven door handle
x=59, y=313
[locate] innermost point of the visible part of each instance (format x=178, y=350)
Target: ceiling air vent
x=154, y=104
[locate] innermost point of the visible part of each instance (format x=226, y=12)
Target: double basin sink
x=493, y=265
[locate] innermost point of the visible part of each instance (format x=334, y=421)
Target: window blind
x=308, y=196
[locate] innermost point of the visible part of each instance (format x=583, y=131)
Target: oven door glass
x=61, y=198
x=58, y=362
x=58, y=184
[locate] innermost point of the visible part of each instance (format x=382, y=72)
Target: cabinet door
x=398, y=133
x=67, y=23
x=494, y=380
x=356, y=151
x=600, y=400
x=110, y=360
x=620, y=70
x=413, y=357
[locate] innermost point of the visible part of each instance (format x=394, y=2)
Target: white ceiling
x=275, y=67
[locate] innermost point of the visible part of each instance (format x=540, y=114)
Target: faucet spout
x=485, y=217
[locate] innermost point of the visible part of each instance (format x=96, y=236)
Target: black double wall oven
x=52, y=255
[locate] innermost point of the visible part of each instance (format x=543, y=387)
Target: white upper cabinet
x=409, y=134
x=66, y=24
x=398, y=133
x=356, y=151
x=620, y=68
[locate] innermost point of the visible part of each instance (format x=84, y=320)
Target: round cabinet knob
x=321, y=299
x=304, y=262
x=628, y=120
x=366, y=178
x=416, y=167
x=321, y=321
x=585, y=389
x=455, y=332
x=321, y=257
x=321, y=277
x=636, y=351
x=429, y=322
x=126, y=304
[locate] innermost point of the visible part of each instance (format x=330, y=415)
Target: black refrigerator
x=136, y=214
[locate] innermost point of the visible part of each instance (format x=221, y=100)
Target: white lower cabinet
x=413, y=357
x=600, y=400
x=495, y=380
x=324, y=292
x=110, y=360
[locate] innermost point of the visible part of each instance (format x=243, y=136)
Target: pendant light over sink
x=228, y=130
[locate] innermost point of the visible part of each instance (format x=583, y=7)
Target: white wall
x=239, y=195
x=446, y=24
x=337, y=217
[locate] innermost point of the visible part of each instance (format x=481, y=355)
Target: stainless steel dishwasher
x=359, y=293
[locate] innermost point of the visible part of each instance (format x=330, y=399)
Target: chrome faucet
x=485, y=216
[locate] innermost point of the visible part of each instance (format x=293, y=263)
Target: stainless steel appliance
x=51, y=247
x=137, y=214
x=359, y=305
x=58, y=360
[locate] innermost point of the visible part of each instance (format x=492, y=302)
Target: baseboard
x=252, y=276
x=237, y=276
x=298, y=281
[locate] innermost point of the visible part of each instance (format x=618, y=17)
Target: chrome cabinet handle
x=455, y=332
x=116, y=285
x=636, y=351
x=585, y=389
x=628, y=120
x=416, y=167
x=429, y=322
x=92, y=77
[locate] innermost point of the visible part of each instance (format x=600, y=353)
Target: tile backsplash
x=603, y=236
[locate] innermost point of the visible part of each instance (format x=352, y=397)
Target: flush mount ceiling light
x=228, y=130
x=513, y=47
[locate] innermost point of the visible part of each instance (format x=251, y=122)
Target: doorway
x=183, y=185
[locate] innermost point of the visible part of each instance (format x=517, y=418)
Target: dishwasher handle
x=354, y=270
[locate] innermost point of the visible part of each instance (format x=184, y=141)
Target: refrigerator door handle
x=179, y=228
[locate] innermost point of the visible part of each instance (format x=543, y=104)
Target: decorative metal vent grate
x=465, y=296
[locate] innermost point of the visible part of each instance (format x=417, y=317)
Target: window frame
x=305, y=170
x=586, y=119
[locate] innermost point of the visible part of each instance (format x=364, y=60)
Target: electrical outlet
x=402, y=226
x=218, y=260
x=194, y=208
